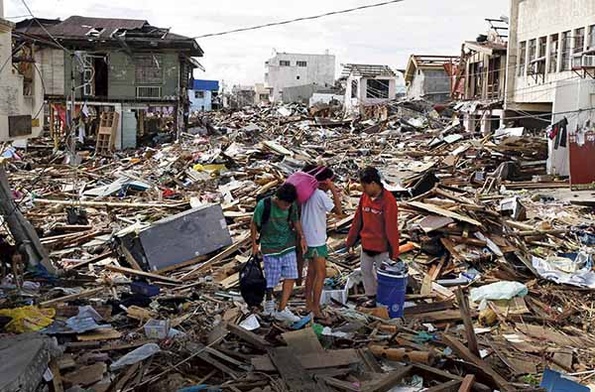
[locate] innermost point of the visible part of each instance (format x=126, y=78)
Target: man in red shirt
x=376, y=225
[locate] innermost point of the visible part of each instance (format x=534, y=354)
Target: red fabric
x=376, y=223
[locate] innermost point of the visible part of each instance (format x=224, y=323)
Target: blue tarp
x=554, y=382
x=206, y=85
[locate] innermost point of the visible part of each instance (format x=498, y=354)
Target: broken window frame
x=579, y=41
x=591, y=40
x=148, y=70
x=566, y=49
x=554, y=50
x=377, y=88
x=522, y=58
x=354, y=86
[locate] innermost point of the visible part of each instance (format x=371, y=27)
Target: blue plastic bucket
x=391, y=292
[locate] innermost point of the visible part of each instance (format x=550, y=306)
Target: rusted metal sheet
x=582, y=160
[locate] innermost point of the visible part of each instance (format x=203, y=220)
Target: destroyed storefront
x=129, y=67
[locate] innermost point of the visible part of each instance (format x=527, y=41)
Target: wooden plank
x=468, y=356
x=293, y=373
x=57, y=385
x=90, y=261
x=445, y=315
x=440, y=211
x=85, y=203
x=303, y=341
x=101, y=334
x=467, y=384
x=449, y=386
x=433, y=373
x=71, y=297
x=467, y=321
x=342, y=385
x=130, y=271
x=428, y=307
x=86, y=376
x=389, y=381
x=331, y=359
x=247, y=336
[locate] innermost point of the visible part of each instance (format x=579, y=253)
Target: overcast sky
x=385, y=35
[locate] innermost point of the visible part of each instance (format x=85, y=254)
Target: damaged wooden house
x=129, y=67
x=481, y=77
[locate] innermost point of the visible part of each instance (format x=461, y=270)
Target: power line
x=44, y=29
x=300, y=19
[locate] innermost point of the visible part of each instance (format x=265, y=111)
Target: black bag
x=252, y=282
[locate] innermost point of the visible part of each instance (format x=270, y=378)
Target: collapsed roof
x=81, y=31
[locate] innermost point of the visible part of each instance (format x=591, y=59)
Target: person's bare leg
x=310, y=276
x=287, y=289
x=319, y=264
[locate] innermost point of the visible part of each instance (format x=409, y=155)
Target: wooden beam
x=449, y=386
x=467, y=384
x=130, y=271
x=90, y=261
x=111, y=204
x=466, y=315
x=389, y=381
x=72, y=297
x=247, y=336
x=432, y=372
x=440, y=211
x=468, y=356
x=293, y=373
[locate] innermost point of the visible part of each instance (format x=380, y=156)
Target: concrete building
x=262, y=94
x=367, y=85
x=427, y=77
x=202, y=95
x=297, y=69
x=551, y=71
x=480, y=82
x=21, y=88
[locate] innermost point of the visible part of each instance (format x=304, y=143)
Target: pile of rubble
x=149, y=244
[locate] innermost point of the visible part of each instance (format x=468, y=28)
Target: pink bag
x=304, y=183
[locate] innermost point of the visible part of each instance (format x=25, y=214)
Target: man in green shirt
x=276, y=218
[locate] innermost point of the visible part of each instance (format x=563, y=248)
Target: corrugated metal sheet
x=79, y=26
x=582, y=160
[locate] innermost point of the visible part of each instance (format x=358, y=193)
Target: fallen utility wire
x=300, y=19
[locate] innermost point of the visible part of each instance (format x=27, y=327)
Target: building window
x=591, y=41
x=298, y=77
x=554, y=48
x=199, y=94
x=149, y=70
x=542, y=47
x=302, y=63
x=522, y=58
x=376, y=88
x=354, y=84
x=284, y=63
x=264, y=97
x=532, y=49
x=566, y=44
x=579, y=40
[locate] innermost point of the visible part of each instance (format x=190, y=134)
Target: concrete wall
x=299, y=93
x=354, y=104
x=200, y=104
x=430, y=84
x=52, y=68
x=12, y=100
x=320, y=70
x=532, y=19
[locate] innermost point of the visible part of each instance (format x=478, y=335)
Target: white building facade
x=21, y=100
x=368, y=85
x=298, y=69
x=551, y=68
